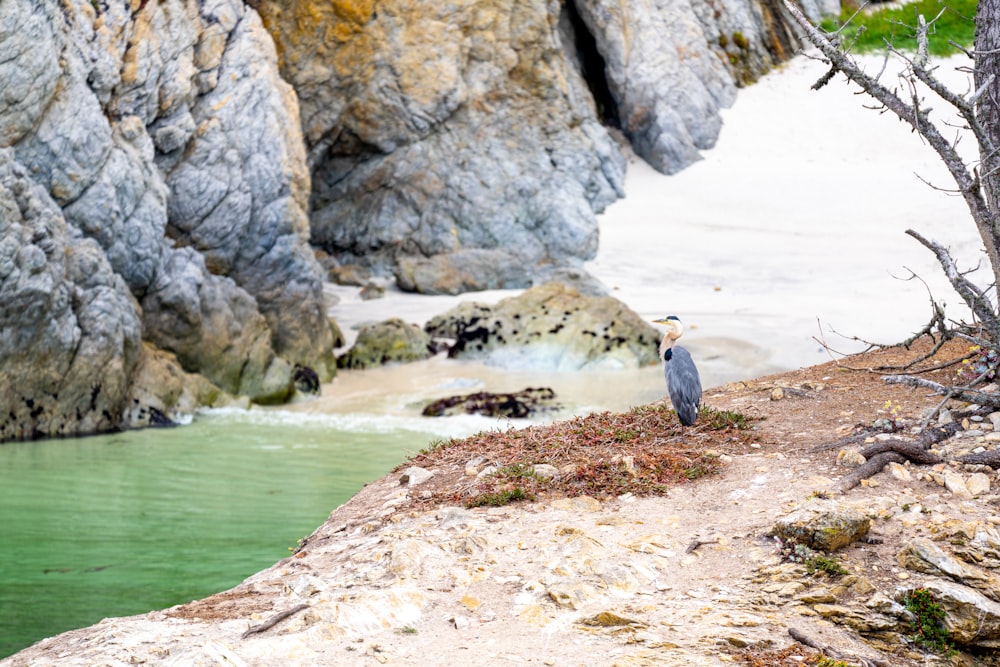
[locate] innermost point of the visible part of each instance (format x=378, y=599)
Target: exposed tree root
x=879, y=454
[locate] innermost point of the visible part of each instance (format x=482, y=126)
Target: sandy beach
x=791, y=228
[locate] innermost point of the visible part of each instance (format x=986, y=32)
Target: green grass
x=897, y=26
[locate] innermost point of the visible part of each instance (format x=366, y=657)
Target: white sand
x=795, y=218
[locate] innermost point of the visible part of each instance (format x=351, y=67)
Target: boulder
x=922, y=555
x=822, y=524
x=515, y=405
x=387, y=342
x=164, y=394
x=551, y=326
x=971, y=618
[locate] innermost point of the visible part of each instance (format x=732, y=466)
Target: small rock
x=472, y=466
x=850, y=458
x=777, y=394
x=545, y=471
x=978, y=484
x=349, y=274
x=900, y=472
x=371, y=291
x=413, y=476
x=956, y=484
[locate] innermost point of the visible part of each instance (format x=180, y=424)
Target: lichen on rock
x=551, y=326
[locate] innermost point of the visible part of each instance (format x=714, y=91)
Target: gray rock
x=387, y=342
x=461, y=128
x=922, y=555
x=822, y=524
x=551, y=326
x=414, y=476
x=164, y=134
x=971, y=618
x=69, y=328
x=464, y=130
x=461, y=271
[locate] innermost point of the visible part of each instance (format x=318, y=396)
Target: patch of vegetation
x=515, y=471
x=407, y=630
x=794, y=552
x=795, y=654
x=892, y=419
x=720, y=420
x=825, y=564
x=928, y=623
x=823, y=661
x=500, y=498
x=643, y=451
x=434, y=445
x=979, y=365
x=870, y=30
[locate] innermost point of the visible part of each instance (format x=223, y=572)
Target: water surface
x=126, y=523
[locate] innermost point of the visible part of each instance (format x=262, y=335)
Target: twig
x=831, y=652
x=273, y=621
x=697, y=542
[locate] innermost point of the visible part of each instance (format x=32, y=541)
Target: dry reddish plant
x=643, y=451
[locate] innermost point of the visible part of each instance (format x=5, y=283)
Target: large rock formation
x=461, y=145
x=159, y=172
x=154, y=188
x=435, y=128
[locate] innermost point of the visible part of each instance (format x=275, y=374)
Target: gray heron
x=683, y=381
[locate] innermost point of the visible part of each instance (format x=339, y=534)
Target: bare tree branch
x=918, y=118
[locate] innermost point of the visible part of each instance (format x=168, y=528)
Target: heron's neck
x=665, y=344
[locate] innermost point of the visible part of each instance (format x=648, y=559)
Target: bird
x=683, y=381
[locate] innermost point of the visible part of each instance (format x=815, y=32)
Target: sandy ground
x=790, y=228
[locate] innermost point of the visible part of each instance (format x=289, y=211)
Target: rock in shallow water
x=515, y=405
x=551, y=326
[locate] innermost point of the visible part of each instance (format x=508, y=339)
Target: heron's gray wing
x=683, y=385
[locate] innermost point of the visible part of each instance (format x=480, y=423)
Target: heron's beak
x=662, y=320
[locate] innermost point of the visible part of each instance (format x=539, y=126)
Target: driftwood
x=831, y=652
x=273, y=621
x=697, y=543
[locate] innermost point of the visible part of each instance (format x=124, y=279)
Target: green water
x=123, y=524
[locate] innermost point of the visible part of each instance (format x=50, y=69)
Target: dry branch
x=966, y=394
x=273, y=621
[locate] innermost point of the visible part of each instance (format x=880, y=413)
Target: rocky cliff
x=164, y=165
x=153, y=188
x=465, y=145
